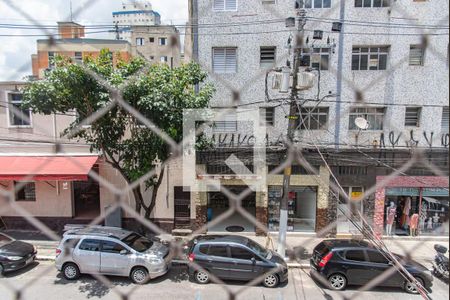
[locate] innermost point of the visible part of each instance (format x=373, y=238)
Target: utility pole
x=293, y=112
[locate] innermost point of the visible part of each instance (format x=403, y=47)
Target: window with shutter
x=416, y=55
x=412, y=116
x=226, y=123
x=445, y=119
x=267, y=116
x=225, y=5
x=267, y=56
x=224, y=60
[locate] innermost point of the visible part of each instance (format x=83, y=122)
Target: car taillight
x=58, y=251
x=191, y=257
x=323, y=262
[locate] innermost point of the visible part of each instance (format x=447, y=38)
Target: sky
x=15, y=52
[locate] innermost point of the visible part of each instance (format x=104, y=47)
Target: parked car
x=111, y=251
x=234, y=258
x=352, y=262
x=15, y=255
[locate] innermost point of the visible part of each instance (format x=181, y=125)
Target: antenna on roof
x=71, y=12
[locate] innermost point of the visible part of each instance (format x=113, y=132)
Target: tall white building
x=134, y=13
x=388, y=65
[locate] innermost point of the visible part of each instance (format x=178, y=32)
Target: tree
x=158, y=92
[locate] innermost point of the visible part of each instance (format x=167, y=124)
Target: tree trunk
x=138, y=199
x=152, y=204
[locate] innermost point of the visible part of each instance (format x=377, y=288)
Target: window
x=377, y=257
x=267, y=115
x=369, y=58
x=356, y=255
x=412, y=116
x=416, y=55
x=224, y=60
x=140, y=42
x=267, y=56
x=90, y=245
x=163, y=59
x=111, y=247
x=27, y=192
x=372, y=3
x=445, y=119
x=226, y=123
x=71, y=243
x=51, y=60
x=18, y=116
x=241, y=253
x=217, y=250
x=225, y=5
x=315, y=3
x=203, y=249
x=373, y=115
x=151, y=40
x=162, y=41
x=313, y=119
x=78, y=58
x=317, y=58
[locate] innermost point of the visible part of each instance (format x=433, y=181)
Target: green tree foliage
x=158, y=92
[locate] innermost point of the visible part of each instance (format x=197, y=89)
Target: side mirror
x=253, y=260
x=123, y=252
x=390, y=263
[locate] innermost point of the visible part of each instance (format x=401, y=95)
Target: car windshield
x=4, y=239
x=137, y=242
x=258, y=249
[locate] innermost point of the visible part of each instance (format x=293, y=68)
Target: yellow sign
x=357, y=195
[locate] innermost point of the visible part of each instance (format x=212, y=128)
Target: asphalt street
x=41, y=281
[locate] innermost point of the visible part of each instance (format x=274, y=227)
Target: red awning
x=43, y=168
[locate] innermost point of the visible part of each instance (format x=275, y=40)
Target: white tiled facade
x=395, y=88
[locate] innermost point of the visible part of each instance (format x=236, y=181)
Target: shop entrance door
x=350, y=209
x=218, y=203
x=182, y=207
x=86, y=195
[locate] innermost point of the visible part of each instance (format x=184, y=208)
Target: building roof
x=132, y=12
x=69, y=23
x=84, y=41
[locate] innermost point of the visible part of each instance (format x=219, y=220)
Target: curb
x=45, y=258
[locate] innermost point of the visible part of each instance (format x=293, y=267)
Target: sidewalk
x=300, y=246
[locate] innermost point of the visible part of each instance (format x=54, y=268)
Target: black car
x=234, y=257
x=14, y=255
x=354, y=262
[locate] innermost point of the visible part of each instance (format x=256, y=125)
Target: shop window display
x=301, y=208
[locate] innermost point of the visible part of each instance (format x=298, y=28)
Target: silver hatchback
x=111, y=251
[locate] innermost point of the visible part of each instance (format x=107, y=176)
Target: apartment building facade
x=156, y=44
x=134, y=13
x=73, y=43
x=375, y=67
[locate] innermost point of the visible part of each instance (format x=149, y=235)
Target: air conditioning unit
x=281, y=80
x=305, y=80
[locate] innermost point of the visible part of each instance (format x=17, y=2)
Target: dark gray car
x=234, y=258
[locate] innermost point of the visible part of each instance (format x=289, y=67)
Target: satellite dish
x=361, y=123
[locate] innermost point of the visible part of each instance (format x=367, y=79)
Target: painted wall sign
x=402, y=191
x=436, y=192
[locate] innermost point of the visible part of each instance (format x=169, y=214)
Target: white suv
x=111, y=251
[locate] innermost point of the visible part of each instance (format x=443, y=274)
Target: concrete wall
x=399, y=84
x=153, y=49
x=50, y=201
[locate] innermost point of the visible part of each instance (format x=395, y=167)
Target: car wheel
x=1, y=270
x=271, y=281
x=70, y=271
x=337, y=282
x=139, y=275
x=410, y=287
x=201, y=277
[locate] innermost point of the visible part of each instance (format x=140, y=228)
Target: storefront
x=412, y=205
x=302, y=206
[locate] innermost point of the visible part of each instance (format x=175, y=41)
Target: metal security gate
x=182, y=206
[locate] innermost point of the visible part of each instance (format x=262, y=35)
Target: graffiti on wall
x=413, y=140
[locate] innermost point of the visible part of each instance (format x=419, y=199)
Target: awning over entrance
x=44, y=168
